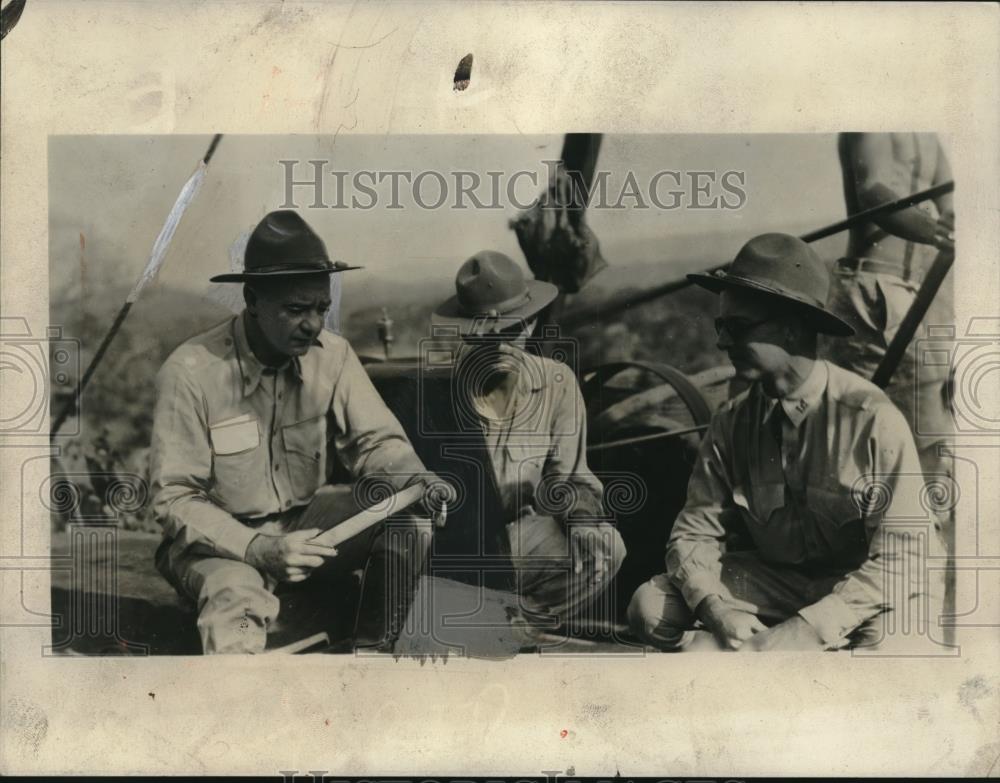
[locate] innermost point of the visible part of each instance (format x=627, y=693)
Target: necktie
x=777, y=423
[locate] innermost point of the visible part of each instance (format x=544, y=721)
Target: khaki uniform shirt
x=538, y=448
x=234, y=440
x=817, y=496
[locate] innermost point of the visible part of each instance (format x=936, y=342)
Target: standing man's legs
x=874, y=305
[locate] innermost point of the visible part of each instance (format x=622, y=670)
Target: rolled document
x=362, y=520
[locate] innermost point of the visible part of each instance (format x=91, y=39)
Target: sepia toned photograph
x=400, y=389
x=491, y=395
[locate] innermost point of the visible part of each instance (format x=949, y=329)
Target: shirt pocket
x=235, y=436
x=528, y=458
x=760, y=502
x=237, y=464
x=839, y=525
x=524, y=469
x=305, y=449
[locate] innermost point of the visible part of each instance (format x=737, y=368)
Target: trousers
x=875, y=305
x=659, y=615
x=546, y=584
x=236, y=603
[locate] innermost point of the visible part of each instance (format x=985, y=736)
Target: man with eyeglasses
x=545, y=512
x=813, y=464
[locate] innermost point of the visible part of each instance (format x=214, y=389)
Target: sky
x=116, y=191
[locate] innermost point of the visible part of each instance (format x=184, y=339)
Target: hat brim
x=819, y=317
x=540, y=296
x=248, y=277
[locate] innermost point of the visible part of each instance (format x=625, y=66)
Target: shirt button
x=246, y=379
x=277, y=467
x=228, y=341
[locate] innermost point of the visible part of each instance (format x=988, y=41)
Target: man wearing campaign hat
x=550, y=517
x=243, y=416
x=811, y=461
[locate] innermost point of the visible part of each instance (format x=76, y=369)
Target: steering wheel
x=627, y=406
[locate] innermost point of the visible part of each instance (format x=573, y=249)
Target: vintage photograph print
x=495, y=395
x=400, y=389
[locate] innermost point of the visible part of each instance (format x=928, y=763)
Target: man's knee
x=657, y=614
x=234, y=608
x=618, y=553
x=644, y=611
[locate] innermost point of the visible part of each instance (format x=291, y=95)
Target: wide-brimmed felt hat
x=283, y=245
x=490, y=285
x=786, y=268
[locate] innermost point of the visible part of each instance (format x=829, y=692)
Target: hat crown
x=283, y=240
x=782, y=267
x=785, y=264
x=490, y=282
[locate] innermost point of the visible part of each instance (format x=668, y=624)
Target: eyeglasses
x=737, y=327
x=506, y=334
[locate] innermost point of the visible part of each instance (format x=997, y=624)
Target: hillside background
x=109, y=196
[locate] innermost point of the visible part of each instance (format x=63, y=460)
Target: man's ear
x=250, y=297
x=796, y=334
x=784, y=319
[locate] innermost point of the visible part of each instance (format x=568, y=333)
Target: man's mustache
x=487, y=340
x=489, y=352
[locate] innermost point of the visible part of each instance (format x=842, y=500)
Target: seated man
x=240, y=434
x=802, y=461
x=529, y=417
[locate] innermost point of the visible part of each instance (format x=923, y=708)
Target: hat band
x=499, y=308
x=780, y=291
x=318, y=263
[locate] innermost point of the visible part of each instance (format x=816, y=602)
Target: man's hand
x=731, y=622
x=944, y=232
x=438, y=493
x=591, y=549
x=288, y=558
x=793, y=634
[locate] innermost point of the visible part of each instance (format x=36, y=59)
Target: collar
x=530, y=373
x=530, y=378
x=251, y=368
x=804, y=400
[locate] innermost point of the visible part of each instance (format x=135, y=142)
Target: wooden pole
x=149, y=272
x=618, y=304
x=911, y=321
